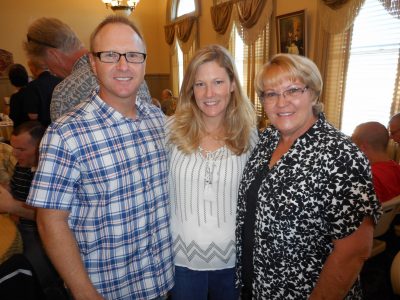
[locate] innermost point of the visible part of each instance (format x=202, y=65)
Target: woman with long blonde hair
x=210, y=138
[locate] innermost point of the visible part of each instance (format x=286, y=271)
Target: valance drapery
x=221, y=16
x=182, y=29
x=250, y=17
x=335, y=19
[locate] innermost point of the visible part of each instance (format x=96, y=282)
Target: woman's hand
x=14, y=207
x=6, y=201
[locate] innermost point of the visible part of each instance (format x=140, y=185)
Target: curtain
x=187, y=39
x=174, y=69
x=221, y=16
x=249, y=16
x=392, y=6
x=254, y=56
x=396, y=95
x=183, y=33
x=250, y=19
x=250, y=11
x=182, y=29
x=334, y=22
x=335, y=4
x=333, y=39
x=394, y=149
x=169, y=33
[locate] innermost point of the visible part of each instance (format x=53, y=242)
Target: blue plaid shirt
x=110, y=173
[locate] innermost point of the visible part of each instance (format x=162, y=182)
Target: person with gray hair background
x=54, y=42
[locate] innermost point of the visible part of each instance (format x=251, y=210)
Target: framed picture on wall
x=291, y=33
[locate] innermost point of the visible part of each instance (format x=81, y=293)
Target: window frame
x=173, y=11
x=345, y=125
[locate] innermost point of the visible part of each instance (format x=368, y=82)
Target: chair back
x=389, y=209
x=7, y=162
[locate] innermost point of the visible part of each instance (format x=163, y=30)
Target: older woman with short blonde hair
x=306, y=206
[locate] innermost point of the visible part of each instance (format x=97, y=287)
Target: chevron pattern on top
x=213, y=251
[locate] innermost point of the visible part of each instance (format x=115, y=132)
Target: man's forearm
x=61, y=247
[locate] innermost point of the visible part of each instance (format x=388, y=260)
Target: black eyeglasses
x=30, y=39
x=113, y=57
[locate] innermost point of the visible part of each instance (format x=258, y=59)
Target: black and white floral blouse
x=319, y=191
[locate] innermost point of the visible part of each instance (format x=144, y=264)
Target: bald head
x=372, y=135
x=394, y=128
x=166, y=94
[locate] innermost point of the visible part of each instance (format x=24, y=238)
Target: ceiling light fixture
x=118, y=6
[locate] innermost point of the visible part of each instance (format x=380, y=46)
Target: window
x=185, y=7
x=238, y=54
x=180, y=65
x=182, y=10
x=371, y=76
x=249, y=59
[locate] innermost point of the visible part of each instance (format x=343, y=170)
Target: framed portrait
x=291, y=33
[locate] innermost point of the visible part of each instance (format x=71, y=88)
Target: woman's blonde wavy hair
x=188, y=126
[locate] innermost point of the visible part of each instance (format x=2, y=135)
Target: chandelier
x=118, y=6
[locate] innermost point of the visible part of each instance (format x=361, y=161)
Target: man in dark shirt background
x=40, y=91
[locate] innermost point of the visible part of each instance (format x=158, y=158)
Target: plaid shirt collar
x=112, y=116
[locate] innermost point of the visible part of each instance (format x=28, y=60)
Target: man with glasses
x=101, y=183
x=56, y=44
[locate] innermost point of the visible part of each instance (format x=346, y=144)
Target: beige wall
x=83, y=16
x=208, y=35
x=310, y=6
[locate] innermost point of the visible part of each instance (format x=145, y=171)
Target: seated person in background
x=40, y=91
x=25, y=141
x=372, y=138
x=19, y=78
x=394, y=128
x=168, y=103
x=7, y=163
x=155, y=102
x=54, y=42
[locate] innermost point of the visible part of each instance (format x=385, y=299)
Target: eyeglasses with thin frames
x=289, y=94
x=30, y=39
x=112, y=57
